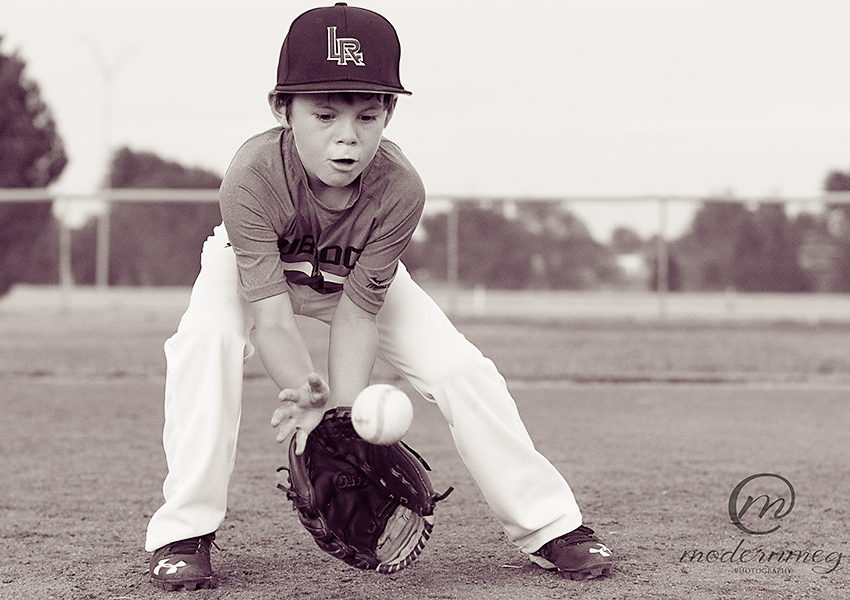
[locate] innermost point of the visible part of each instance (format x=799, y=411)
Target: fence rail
x=211, y=195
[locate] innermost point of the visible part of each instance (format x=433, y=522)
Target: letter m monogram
x=767, y=506
x=344, y=50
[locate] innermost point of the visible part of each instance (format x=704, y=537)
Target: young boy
x=316, y=214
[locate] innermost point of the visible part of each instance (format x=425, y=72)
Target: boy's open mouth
x=344, y=161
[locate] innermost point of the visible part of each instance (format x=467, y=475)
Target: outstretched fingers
x=301, y=410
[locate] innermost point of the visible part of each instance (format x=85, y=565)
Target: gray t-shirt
x=281, y=233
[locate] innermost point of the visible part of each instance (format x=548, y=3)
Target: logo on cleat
x=170, y=569
x=602, y=550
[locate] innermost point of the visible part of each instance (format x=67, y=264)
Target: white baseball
x=381, y=414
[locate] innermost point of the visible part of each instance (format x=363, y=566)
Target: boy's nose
x=346, y=132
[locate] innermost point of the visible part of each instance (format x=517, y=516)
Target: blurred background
x=648, y=154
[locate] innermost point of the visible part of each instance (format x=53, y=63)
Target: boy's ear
x=278, y=109
x=390, y=110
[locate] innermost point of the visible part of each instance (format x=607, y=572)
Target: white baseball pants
x=203, y=400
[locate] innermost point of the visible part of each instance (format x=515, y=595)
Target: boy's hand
x=301, y=410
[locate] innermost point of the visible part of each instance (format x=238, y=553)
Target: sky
x=544, y=98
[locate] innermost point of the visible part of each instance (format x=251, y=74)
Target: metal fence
x=108, y=197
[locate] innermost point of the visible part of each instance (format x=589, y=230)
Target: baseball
x=381, y=414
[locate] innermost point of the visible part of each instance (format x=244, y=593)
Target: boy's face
x=336, y=140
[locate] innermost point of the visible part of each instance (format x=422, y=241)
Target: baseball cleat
x=576, y=555
x=183, y=565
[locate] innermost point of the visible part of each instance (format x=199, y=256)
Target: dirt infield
x=652, y=425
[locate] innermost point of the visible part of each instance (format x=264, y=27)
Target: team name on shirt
x=331, y=255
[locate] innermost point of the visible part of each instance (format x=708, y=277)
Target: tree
x=152, y=243
x=766, y=251
x=564, y=253
x=626, y=241
x=31, y=155
x=489, y=247
x=530, y=245
x=731, y=247
x=705, y=251
x=836, y=181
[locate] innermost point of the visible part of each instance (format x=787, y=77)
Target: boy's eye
x=368, y=118
x=324, y=117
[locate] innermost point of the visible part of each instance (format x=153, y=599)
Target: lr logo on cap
x=344, y=50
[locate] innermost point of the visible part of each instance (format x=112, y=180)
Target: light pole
x=108, y=70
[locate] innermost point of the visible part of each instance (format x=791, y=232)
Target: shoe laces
x=193, y=545
x=579, y=535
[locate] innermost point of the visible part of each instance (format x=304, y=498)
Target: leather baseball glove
x=370, y=506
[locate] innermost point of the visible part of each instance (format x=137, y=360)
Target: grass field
x=652, y=423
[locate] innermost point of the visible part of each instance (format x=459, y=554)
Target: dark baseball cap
x=340, y=48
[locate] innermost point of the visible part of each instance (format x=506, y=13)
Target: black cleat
x=576, y=555
x=183, y=565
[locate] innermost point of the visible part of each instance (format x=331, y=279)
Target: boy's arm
x=351, y=352
x=304, y=395
x=278, y=340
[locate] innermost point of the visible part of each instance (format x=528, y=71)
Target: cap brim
x=332, y=87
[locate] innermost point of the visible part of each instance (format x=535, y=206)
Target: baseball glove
x=370, y=506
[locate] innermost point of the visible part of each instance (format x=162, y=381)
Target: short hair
x=284, y=99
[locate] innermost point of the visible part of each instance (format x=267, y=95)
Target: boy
x=316, y=214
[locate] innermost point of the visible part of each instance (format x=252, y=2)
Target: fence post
x=102, y=256
x=663, y=260
x=452, y=255
x=66, y=276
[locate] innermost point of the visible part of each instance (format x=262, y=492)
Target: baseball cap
x=340, y=48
